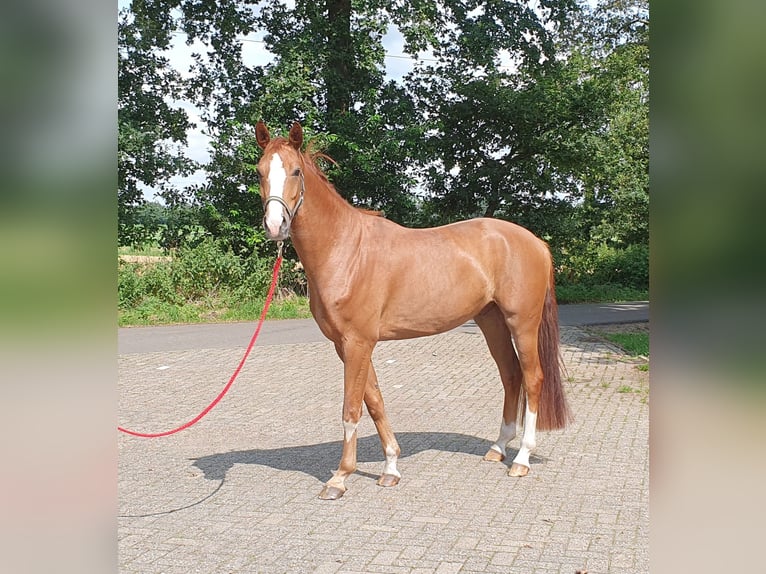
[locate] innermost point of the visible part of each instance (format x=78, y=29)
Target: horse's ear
x=296, y=136
x=262, y=135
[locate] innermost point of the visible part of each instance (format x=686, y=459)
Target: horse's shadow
x=319, y=460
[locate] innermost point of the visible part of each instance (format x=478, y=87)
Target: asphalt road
x=229, y=335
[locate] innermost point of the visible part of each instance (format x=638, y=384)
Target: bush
x=292, y=277
x=130, y=288
x=628, y=267
x=158, y=282
x=204, y=269
x=255, y=281
x=604, y=265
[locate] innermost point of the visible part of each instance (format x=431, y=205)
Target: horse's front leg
x=356, y=358
x=374, y=401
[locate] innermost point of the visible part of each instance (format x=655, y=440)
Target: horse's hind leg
x=374, y=401
x=525, y=335
x=492, y=324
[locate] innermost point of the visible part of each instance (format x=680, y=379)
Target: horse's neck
x=326, y=229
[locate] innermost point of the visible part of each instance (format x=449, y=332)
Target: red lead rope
x=236, y=372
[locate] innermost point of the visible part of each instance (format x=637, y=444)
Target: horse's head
x=280, y=172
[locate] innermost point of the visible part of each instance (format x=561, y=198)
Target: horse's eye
x=297, y=172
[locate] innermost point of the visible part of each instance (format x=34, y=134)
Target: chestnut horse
x=372, y=280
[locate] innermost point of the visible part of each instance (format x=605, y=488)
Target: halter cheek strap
x=290, y=212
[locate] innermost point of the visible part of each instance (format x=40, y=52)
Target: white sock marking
x=507, y=434
x=390, y=466
x=528, y=439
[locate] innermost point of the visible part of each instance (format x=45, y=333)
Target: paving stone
x=237, y=493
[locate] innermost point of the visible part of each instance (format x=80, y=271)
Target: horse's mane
x=314, y=155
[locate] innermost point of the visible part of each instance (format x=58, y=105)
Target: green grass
x=634, y=344
x=287, y=307
x=292, y=307
x=152, y=311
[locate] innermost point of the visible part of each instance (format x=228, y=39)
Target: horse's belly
x=420, y=318
x=433, y=296
x=413, y=330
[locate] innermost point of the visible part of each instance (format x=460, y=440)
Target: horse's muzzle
x=278, y=232
x=278, y=216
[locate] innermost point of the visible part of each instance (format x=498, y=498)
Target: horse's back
x=491, y=243
x=487, y=244
x=468, y=231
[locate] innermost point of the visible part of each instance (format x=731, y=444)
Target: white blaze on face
x=277, y=178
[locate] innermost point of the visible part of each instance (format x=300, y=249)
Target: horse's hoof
x=518, y=470
x=331, y=493
x=494, y=456
x=388, y=480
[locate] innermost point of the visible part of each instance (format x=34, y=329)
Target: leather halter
x=290, y=212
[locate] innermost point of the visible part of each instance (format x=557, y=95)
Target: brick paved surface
x=238, y=492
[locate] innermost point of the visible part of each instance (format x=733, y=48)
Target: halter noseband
x=290, y=212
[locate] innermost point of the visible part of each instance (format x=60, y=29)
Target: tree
x=507, y=116
x=616, y=180
x=151, y=132
x=365, y=123
x=328, y=73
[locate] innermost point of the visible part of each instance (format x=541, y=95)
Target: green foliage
x=604, y=265
x=230, y=205
x=130, y=289
x=154, y=311
x=567, y=293
x=157, y=281
x=255, y=280
x=204, y=268
x=615, y=181
x=137, y=281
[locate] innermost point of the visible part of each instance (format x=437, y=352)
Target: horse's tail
x=553, y=410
